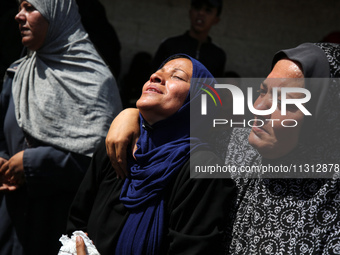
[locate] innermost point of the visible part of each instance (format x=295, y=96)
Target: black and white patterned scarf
x=293, y=216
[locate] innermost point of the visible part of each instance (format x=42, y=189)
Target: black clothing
x=35, y=215
x=210, y=55
x=196, y=209
x=101, y=32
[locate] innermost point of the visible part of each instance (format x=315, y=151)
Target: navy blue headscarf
x=163, y=149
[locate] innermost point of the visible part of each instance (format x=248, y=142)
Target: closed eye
x=261, y=91
x=178, y=77
x=28, y=7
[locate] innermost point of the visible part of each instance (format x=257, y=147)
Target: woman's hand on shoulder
x=124, y=131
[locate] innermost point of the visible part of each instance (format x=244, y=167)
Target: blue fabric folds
x=163, y=148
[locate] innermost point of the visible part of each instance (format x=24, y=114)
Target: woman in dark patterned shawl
x=292, y=215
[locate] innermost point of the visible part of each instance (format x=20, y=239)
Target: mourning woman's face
x=274, y=140
x=32, y=25
x=166, y=90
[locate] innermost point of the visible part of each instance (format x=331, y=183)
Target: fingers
x=2, y=161
x=12, y=175
x=13, y=187
x=87, y=236
x=121, y=134
x=111, y=152
x=80, y=246
x=121, y=150
x=134, y=143
x=12, y=172
x=4, y=172
x=4, y=187
x=3, y=168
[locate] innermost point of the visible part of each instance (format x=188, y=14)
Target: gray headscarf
x=64, y=94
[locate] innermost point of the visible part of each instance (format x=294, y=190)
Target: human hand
x=2, y=161
x=12, y=173
x=124, y=130
x=80, y=245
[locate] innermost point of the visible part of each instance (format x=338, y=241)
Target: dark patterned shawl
x=293, y=216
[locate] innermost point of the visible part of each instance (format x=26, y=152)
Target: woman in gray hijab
x=56, y=105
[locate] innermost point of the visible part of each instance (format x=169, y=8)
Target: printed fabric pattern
x=291, y=216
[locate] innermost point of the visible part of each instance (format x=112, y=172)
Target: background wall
x=249, y=31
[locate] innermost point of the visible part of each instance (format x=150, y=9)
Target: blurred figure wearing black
x=196, y=42
x=10, y=41
x=132, y=83
x=101, y=32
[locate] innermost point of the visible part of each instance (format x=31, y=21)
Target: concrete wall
x=250, y=31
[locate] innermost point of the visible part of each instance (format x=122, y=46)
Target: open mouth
x=258, y=130
x=199, y=21
x=24, y=31
x=152, y=89
x=257, y=126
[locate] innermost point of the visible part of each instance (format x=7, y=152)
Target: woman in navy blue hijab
x=158, y=209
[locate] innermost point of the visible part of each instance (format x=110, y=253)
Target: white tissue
x=69, y=244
